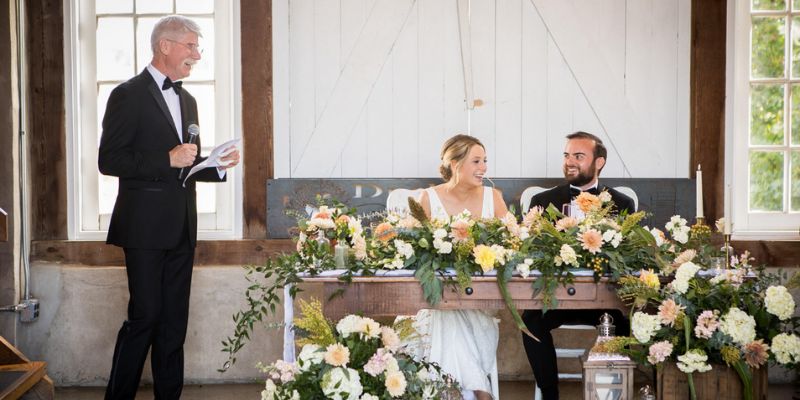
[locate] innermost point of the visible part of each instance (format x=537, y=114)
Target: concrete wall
x=82, y=308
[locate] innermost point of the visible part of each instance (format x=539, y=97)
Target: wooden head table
x=388, y=296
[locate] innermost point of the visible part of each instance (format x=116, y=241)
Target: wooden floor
x=508, y=391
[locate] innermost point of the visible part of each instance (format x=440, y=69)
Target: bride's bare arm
x=500, y=209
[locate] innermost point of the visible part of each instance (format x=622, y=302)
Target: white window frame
x=747, y=225
x=83, y=218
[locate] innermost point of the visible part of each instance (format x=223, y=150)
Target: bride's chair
x=397, y=200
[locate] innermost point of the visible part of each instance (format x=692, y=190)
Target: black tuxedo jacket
x=152, y=209
x=559, y=195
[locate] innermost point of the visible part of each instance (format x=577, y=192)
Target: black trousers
x=159, y=283
x=542, y=355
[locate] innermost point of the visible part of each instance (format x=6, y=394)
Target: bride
x=462, y=342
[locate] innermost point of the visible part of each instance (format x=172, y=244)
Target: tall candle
x=728, y=214
x=699, y=192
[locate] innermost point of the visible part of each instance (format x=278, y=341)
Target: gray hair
x=170, y=25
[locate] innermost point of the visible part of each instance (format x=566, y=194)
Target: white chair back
x=527, y=195
x=630, y=193
x=397, y=200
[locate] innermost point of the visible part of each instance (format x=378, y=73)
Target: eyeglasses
x=191, y=46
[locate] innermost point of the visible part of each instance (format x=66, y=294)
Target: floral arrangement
x=355, y=359
x=602, y=241
x=544, y=239
x=738, y=316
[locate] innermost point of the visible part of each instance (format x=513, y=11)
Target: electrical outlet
x=30, y=312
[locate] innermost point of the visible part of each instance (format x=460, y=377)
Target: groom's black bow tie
x=574, y=192
x=176, y=86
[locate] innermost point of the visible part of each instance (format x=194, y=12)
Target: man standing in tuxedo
x=146, y=143
x=584, y=158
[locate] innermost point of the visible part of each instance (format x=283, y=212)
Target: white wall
x=372, y=88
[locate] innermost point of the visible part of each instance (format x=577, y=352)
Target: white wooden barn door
x=372, y=88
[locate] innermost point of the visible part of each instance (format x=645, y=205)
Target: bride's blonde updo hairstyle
x=456, y=149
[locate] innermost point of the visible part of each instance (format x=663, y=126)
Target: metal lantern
x=607, y=376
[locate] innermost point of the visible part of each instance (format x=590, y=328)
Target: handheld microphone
x=194, y=131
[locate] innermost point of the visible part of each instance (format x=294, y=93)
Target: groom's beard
x=582, y=178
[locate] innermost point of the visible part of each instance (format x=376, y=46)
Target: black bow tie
x=176, y=86
x=574, y=192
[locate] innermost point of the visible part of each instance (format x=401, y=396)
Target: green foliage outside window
x=766, y=114
x=768, y=39
x=770, y=4
x=766, y=181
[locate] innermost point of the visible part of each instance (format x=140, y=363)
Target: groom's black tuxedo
x=542, y=355
x=155, y=222
x=560, y=195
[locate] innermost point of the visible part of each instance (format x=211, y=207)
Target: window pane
x=114, y=48
x=204, y=94
x=795, y=114
x=767, y=55
x=107, y=188
x=796, y=5
x=195, y=6
x=113, y=6
x=102, y=98
x=795, y=181
x=144, y=52
x=154, y=7
x=795, y=47
x=204, y=69
x=766, y=114
x=769, y=4
x=206, y=197
x=766, y=181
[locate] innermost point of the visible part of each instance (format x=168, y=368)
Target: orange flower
x=343, y=219
x=588, y=202
x=385, y=232
x=459, y=230
x=668, y=312
x=591, y=240
x=566, y=223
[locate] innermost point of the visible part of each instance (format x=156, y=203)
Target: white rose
x=348, y=325
x=439, y=233
x=524, y=269
x=404, y=249
x=311, y=354
x=442, y=246
x=367, y=396
x=341, y=384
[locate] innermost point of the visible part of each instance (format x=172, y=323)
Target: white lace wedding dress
x=462, y=342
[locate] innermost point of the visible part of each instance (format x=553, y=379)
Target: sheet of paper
x=213, y=159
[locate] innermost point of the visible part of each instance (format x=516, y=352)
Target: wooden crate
x=722, y=382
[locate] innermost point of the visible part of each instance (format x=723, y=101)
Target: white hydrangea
x=739, y=326
x=694, y=361
x=685, y=272
x=367, y=396
x=440, y=233
x=342, y=384
x=786, y=348
x=311, y=354
x=644, y=326
x=779, y=302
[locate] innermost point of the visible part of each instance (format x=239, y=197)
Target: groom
x=584, y=158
